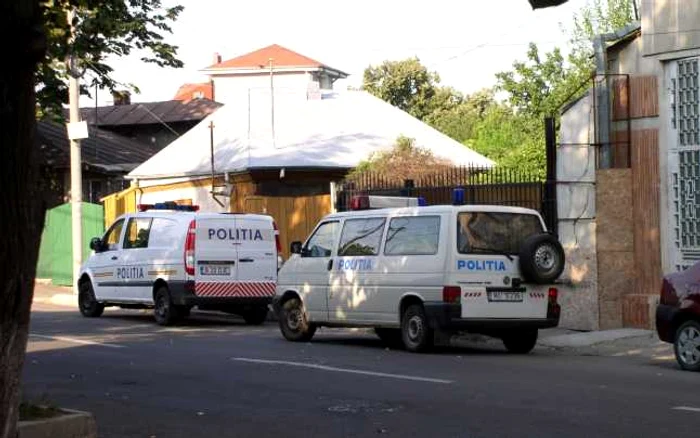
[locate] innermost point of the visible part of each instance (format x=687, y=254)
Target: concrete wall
x=576, y=206
x=670, y=25
x=234, y=88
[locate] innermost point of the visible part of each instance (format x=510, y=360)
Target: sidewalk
x=56, y=295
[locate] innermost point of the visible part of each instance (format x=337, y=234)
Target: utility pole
x=272, y=102
x=76, y=177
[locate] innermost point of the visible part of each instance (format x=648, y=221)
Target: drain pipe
x=603, y=116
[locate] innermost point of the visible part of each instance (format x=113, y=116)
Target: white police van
x=171, y=258
x=416, y=272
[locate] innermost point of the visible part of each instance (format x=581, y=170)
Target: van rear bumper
x=445, y=316
x=182, y=294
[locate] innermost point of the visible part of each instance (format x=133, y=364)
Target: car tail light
x=553, y=294
x=277, y=238
x=189, y=247
x=451, y=294
x=668, y=294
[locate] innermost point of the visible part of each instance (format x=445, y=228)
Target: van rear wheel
x=416, y=333
x=165, y=312
x=293, y=323
x=520, y=341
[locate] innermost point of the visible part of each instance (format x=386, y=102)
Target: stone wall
x=615, y=243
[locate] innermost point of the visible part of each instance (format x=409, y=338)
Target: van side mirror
x=295, y=247
x=96, y=244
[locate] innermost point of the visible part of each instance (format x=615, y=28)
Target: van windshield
x=494, y=233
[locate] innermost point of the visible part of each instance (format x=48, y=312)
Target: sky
x=467, y=42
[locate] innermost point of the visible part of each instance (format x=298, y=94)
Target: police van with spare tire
x=415, y=273
x=171, y=258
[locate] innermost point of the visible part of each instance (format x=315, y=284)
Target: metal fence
x=486, y=186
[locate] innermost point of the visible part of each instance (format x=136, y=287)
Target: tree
x=21, y=219
x=459, y=121
x=406, y=84
x=104, y=28
x=404, y=161
x=38, y=32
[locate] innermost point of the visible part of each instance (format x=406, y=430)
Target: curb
x=65, y=300
x=74, y=424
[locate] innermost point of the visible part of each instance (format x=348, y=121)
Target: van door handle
x=246, y=260
x=114, y=257
x=330, y=264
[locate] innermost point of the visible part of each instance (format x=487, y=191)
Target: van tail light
x=553, y=295
x=451, y=294
x=277, y=238
x=189, y=247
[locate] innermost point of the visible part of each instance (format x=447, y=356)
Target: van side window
x=490, y=232
x=361, y=237
x=111, y=239
x=137, y=232
x=321, y=243
x=164, y=233
x=415, y=235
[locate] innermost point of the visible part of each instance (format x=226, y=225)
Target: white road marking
x=76, y=341
x=342, y=370
x=686, y=408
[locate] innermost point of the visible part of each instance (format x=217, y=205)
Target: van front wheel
x=415, y=330
x=293, y=323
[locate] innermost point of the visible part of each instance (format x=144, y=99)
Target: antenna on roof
x=159, y=119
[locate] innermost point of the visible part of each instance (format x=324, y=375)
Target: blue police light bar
x=458, y=196
x=167, y=206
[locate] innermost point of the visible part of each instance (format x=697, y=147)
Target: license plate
x=215, y=270
x=507, y=297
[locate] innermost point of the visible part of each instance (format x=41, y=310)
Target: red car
x=678, y=316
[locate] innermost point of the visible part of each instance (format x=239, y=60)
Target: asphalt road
x=215, y=377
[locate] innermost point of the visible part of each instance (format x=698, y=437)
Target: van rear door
x=257, y=254
x=216, y=256
x=487, y=268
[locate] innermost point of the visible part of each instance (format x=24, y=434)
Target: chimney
x=217, y=58
x=121, y=97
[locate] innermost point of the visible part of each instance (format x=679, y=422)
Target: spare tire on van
x=541, y=259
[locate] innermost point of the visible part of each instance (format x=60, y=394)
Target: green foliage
x=103, y=29
x=406, y=84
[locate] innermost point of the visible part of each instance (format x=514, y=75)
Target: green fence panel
x=55, y=259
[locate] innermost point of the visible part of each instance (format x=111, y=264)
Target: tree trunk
x=21, y=209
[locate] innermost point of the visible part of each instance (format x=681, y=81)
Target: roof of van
x=435, y=209
x=195, y=215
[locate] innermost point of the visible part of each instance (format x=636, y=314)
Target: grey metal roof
x=148, y=113
x=102, y=149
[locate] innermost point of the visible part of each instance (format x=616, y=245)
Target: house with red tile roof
x=187, y=92
x=258, y=72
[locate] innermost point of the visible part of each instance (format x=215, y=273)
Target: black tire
x=520, y=341
x=256, y=315
x=542, y=259
x=684, y=345
x=416, y=333
x=293, y=323
x=164, y=311
x=87, y=303
x=390, y=337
